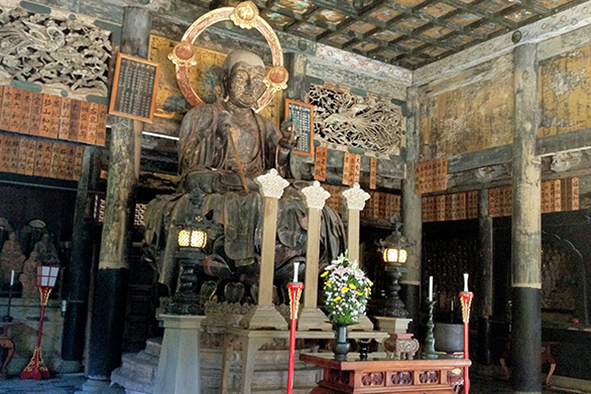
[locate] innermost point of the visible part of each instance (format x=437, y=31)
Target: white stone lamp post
x=312, y=318
x=355, y=198
x=264, y=315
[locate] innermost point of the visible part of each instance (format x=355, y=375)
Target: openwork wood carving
x=372, y=379
x=346, y=119
x=429, y=377
x=401, y=378
x=62, y=53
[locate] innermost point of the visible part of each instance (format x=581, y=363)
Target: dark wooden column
x=412, y=214
x=78, y=275
x=526, y=336
x=110, y=294
x=484, y=299
x=297, y=87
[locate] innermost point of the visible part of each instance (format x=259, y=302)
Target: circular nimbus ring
x=245, y=15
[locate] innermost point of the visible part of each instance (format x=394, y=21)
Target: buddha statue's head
x=242, y=78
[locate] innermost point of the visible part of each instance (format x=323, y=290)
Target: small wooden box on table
x=440, y=376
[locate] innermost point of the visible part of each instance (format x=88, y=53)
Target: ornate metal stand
x=394, y=307
x=36, y=369
x=8, y=318
x=186, y=300
x=295, y=292
x=430, y=339
x=466, y=298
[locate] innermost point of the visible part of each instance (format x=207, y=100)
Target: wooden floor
x=68, y=384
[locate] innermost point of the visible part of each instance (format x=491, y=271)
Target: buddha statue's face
x=245, y=85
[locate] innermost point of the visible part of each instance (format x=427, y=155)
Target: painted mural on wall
x=559, y=290
x=346, y=119
x=60, y=54
x=170, y=102
x=467, y=117
x=565, y=92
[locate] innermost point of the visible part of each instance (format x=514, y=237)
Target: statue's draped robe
x=204, y=163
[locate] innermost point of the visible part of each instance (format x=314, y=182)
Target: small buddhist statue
x=29, y=276
x=46, y=250
x=11, y=258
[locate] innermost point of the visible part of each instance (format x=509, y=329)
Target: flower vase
x=340, y=346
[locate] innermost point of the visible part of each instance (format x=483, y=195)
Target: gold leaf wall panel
x=467, y=119
x=169, y=99
x=565, y=93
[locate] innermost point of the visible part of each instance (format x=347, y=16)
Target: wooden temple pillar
x=484, y=278
x=110, y=290
x=264, y=314
x=78, y=274
x=412, y=216
x=298, y=86
x=312, y=318
x=526, y=336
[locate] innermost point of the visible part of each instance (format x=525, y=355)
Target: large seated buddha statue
x=223, y=147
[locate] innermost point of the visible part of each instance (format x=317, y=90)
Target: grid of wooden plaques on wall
x=447, y=207
x=431, y=176
x=500, y=201
x=379, y=206
x=42, y=158
x=35, y=113
x=335, y=200
x=558, y=195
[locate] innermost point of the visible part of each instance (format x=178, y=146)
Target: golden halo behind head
x=245, y=15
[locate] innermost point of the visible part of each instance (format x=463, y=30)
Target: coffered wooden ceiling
x=407, y=33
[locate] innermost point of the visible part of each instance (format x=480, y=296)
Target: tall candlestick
x=430, y=288
x=465, y=283
x=12, y=278
x=452, y=306
x=296, y=269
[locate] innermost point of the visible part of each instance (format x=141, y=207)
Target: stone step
x=132, y=386
x=137, y=372
x=154, y=346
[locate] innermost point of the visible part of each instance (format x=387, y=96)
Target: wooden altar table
x=252, y=340
x=440, y=376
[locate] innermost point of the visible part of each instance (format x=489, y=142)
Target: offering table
x=440, y=376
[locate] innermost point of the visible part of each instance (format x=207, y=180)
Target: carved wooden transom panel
x=344, y=119
x=62, y=53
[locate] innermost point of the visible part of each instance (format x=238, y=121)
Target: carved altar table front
x=440, y=376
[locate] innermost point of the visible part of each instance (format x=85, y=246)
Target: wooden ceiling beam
x=534, y=7
x=471, y=8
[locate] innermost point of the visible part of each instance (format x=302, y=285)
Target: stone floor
x=68, y=384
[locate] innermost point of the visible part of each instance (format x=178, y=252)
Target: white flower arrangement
x=346, y=290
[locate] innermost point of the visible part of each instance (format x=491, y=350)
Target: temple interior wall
x=465, y=116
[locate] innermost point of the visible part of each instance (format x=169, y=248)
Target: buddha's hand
x=289, y=135
x=224, y=121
